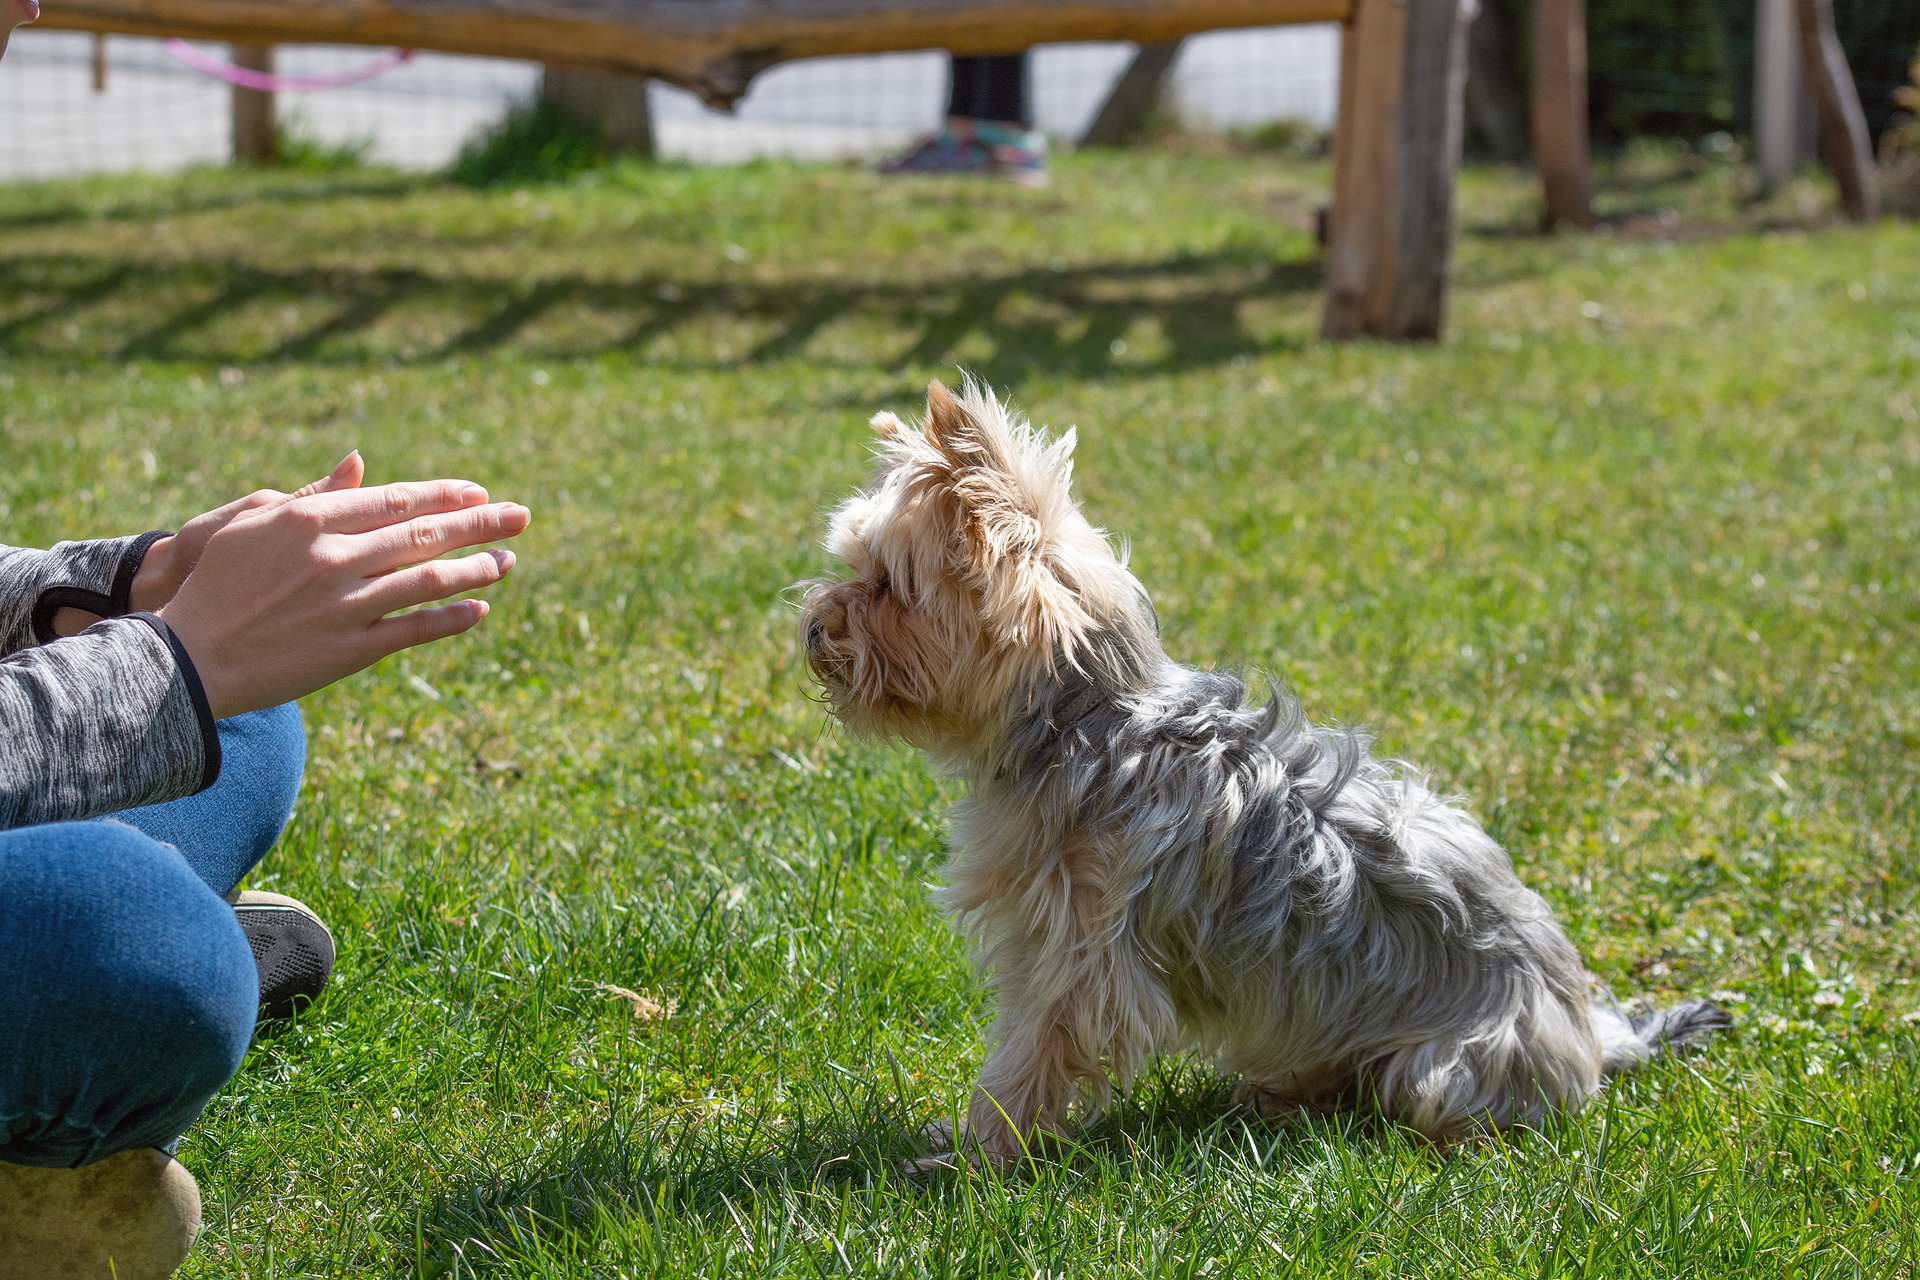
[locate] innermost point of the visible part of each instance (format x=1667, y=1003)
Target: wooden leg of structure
x=1560, y=150
x=1396, y=149
x=612, y=101
x=254, y=140
x=1135, y=94
x=1845, y=146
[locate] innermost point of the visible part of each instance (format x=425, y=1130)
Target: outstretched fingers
x=435, y=581
x=425, y=537
x=424, y=626
x=346, y=474
x=356, y=510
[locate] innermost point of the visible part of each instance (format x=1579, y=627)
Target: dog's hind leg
x=1301, y=1096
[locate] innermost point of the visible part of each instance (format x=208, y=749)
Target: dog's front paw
x=937, y=1163
x=946, y=1157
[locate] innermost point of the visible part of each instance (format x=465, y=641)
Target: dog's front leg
x=1026, y=1085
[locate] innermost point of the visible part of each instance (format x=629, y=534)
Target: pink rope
x=267, y=82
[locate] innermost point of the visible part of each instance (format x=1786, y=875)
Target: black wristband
x=120, y=598
x=202, y=709
x=114, y=604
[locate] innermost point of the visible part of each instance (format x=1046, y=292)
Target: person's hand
x=169, y=560
x=288, y=598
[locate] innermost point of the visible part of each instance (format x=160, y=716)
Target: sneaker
x=133, y=1216
x=291, y=947
x=979, y=146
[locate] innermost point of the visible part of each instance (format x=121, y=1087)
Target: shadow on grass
x=1180, y=312
x=272, y=187
x=1177, y=1121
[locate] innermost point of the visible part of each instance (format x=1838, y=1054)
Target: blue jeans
x=127, y=991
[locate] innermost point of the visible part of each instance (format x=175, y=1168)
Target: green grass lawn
x=1630, y=562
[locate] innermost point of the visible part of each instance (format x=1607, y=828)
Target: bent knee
x=136, y=955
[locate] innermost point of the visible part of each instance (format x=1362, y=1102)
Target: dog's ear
x=1011, y=490
x=960, y=436
x=889, y=427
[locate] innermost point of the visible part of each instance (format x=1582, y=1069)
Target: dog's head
x=971, y=576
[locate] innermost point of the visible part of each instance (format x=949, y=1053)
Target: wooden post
x=1845, y=146
x=253, y=119
x=1396, y=148
x=1560, y=113
x=1777, y=93
x=99, y=62
x=1133, y=98
x=614, y=102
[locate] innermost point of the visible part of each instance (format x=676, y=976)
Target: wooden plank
x=1396, y=152
x=1560, y=143
x=1845, y=146
x=1432, y=126
x=254, y=135
x=1135, y=94
x=613, y=102
x=1365, y=145
x=713, y=47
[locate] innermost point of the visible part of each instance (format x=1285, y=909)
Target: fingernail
x=503, y=558
x=511, y=509
x=481, y=608
x=473, y=494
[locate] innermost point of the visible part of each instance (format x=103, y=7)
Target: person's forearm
x=94, y=578
x=101, y=722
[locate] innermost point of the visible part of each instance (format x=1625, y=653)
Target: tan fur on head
x=971, y=574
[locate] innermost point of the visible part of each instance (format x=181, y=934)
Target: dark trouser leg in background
x=992, y=87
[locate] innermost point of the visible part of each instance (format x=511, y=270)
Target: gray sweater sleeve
x=106, y=720
x=94, y=576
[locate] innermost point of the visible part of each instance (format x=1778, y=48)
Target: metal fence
x=60, y=113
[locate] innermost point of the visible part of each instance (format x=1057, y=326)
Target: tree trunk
x=1778, y=93
x=1396, y=151
x=1845, y=147
x=613, y=102
x=1135, y=94
x=1496, y=109
x=1560, y=113
x=254, y=140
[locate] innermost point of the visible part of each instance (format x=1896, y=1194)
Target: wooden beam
x=613, y=102
x=1560, y=144
x=1134, y=96
x=255, y=137
x=1396, y=150
x=1845, y=146
x=713, y=47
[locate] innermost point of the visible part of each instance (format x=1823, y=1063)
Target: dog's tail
x=1631, y=1040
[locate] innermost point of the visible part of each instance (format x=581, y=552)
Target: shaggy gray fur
x=1280, y=867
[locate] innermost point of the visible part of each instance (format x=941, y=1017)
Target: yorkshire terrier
x=1149, y=862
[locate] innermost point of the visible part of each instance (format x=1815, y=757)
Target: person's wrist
x=193, y=641
x=154, y=582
